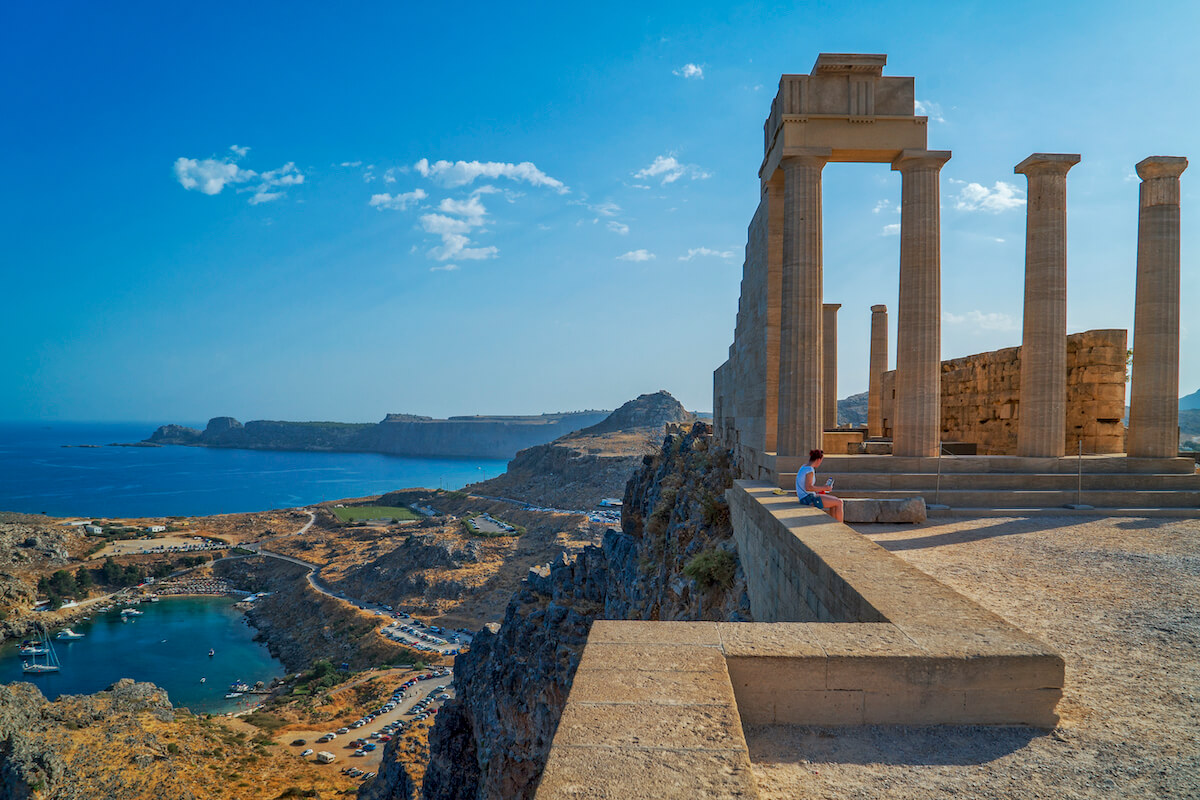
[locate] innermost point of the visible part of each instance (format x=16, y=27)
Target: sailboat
x=49, y=662
x=29, y=647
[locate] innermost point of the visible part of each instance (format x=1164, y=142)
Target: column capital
x=831, y=306
x=806, y=156
x=1047, y=164
x=1161, y=167
x=880, y=309
x=920, y=159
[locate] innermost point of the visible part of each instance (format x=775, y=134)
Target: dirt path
x=1119, y=598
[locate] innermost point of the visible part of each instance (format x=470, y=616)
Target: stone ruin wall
x=981, y=396
x=743, y=386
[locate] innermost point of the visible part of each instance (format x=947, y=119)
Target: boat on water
x=204, y=680
x=67, y=633
x=232, y=695
x=48, y=659
x=211, y=652
x=29, y=648
x=131, y=612
x=240, y=687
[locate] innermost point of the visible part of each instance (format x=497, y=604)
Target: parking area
x=358, y=745
x=427, y=638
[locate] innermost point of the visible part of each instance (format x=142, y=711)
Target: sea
x=41, y=474
x=167, y=645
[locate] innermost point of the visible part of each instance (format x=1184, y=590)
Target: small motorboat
x=232, y=695
x=211, y=652
x=131, y=612
x=203, y=680
x=67, y=633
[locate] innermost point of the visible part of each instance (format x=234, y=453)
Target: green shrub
x=713, y=567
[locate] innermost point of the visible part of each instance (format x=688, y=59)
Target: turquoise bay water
x=168, y=645
x=38, y=474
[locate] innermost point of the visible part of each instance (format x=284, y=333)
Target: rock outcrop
x=39, y=760
x=492, y=740
x=397, y=434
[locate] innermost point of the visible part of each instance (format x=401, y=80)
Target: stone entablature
x=981, y=396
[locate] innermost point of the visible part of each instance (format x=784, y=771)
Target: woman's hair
x=813, y=455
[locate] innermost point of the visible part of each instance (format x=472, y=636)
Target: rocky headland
x=396, y=434
x=581, y=468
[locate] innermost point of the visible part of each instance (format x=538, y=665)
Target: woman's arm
x=809, y=481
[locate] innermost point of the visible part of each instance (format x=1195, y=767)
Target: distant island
x=396, y=434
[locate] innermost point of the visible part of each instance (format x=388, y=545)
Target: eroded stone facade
x=981, y=396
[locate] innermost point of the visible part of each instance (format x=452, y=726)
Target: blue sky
x=240, y=208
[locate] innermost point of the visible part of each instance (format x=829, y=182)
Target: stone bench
x=909, y=509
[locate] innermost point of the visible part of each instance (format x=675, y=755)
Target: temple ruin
x=1024, y=411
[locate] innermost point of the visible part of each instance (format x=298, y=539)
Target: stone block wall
x=981, y=396
x=742, y=383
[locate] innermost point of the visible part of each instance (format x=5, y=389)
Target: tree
x=84, y=580
x=112, y=572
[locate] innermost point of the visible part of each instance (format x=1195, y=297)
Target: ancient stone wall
x=981, y=396
x=741, y=385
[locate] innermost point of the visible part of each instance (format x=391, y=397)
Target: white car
x=307, y=753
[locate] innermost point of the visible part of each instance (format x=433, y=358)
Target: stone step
x=966, y=498
x=859, y=481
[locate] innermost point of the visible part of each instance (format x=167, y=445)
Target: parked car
x=307, y=753
x=298, y=742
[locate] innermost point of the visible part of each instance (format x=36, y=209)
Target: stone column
x=829, y=363
x=1042, y=425
x=918, y=425
x=800, y=351
x=774, y=188
x=878, y=366
x=1154, y=392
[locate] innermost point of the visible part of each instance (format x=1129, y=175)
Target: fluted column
x=878, y=366
x=774, y=189
x=800, y=351
x=919, y=325
x=1042, y=425
x=829, y=363
x=1154, y=392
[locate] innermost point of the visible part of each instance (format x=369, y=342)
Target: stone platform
x=849, y=635
x=1107, y=481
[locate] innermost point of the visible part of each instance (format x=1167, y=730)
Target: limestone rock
x=910, y=509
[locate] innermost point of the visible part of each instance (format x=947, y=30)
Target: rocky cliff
x=578, y=470
x=674, y=558
x=397, y=434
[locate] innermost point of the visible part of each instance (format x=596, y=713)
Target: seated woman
x=818, y=497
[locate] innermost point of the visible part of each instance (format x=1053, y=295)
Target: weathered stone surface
x=910, y=509
x=981, y=396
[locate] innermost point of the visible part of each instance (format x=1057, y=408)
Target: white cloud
x=471, y=209
x=444, y=268
x=637, y=255
x=693, y=252
x=885, y=205
x=618, y=227
x=669, y=169
x=461, y=173
x=891, y=230
x=210, y=176
x=350, y=164
x=690, y=71
x=928, y=108
x=457, y=220
x=990, y=321
x=397, y=202
x=1001, y=197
